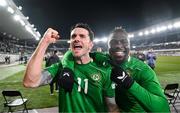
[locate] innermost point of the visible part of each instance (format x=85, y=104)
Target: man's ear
x=91, y=46
x=110, y=52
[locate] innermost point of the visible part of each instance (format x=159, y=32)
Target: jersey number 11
x=85, y=87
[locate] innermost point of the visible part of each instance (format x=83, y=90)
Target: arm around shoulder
x=150, y=96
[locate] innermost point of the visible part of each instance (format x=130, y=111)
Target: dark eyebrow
x=73, y=35
x=81, y=35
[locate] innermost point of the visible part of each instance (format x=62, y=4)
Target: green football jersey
x=92, y=85
x=145, y=95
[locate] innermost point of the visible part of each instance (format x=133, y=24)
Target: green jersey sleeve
x=145, y=94
x=149, y=93
x=54, y=69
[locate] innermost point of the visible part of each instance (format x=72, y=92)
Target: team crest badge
x=95, y=77
x=129, y=72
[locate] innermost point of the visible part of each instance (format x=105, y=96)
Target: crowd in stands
x=13, y=46
x=171, y=41
x=158, y=46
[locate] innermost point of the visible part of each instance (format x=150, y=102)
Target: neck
x=83, y=59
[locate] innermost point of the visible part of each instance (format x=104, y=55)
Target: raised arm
x=32, y=75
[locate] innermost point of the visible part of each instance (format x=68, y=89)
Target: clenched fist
x=50, y=36
x=66, y=79
x=121, y=78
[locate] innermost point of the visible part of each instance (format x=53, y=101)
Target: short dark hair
x=121, y=31
x=119, y=34
x=85, y=26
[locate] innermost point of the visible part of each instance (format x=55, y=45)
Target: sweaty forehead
x=118, y=36
x=79, y=31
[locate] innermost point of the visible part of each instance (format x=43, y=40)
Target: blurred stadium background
x=18, y=45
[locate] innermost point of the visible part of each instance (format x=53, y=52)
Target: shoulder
x=101, y=59
x=56, y=65
x=68, y=55
x=140, y=70
x=136, y=62
x=53, y=69
x=136, y=65
x=68, y=60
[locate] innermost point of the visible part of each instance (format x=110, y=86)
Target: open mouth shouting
x=77, y=47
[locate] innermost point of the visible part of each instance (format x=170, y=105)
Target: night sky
x=101, y=15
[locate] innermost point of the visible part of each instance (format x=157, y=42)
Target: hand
x=66, y=79
x=121, y=78
x=50, y=36
x=100, y=59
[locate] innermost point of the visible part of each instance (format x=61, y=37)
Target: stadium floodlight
x=3, y=3
x=133, y=47
x=11, y=10
x=22, y=22
x=20, y=7
x=131, y=36
x=27, y=17
x=163, y=28
x=38, y=34
x=37, y=38
x=146, y=32
x=176, y=24
x=140, y=33
x=28, y=29
x=69, y=41
x=158, y=29
x=104, y=39
x=170, y=26
x=153, y=31
x=166, y=43
x=16, y=17
x=32, y=25
x=96, y=40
